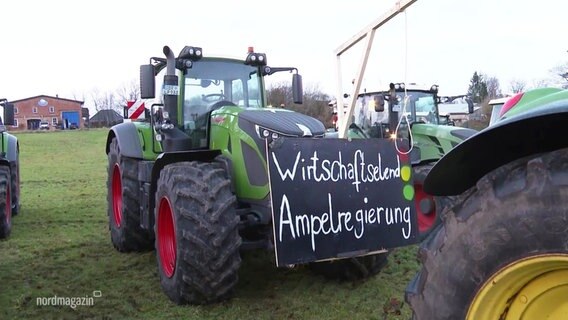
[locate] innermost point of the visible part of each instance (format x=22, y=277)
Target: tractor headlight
x=264, y=133
x=255, y=59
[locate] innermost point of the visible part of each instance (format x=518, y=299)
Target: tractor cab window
x=368, y=119
x=419, y=107
x=200, y=95
x=212, y=84
x=251, y=98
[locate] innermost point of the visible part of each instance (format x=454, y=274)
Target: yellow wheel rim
x=531, y=288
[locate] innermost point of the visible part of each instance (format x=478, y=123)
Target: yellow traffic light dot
x=405, y=173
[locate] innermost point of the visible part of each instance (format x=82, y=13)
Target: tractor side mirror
x=297, y=89
x=8, y=114
x=379, y=103
x=147, y=81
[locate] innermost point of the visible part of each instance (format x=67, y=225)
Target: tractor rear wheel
x=197, y=238
x=5, y=203
x=428, y=208
x=123, y=203
x=351, y=268
x=502, y=252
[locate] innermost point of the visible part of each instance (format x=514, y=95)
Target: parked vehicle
x=44, y=125
x=9, y=172
x=501, y=252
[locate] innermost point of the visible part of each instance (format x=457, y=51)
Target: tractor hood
x=283, y=122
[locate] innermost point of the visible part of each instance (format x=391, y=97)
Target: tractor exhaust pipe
x=174, y=138
x=170, y=89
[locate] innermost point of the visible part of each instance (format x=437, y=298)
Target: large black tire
x=514, y=215
x=123, y=204
x=351, y=269
x=197, y=237
x=5, y=203
x=429, y=209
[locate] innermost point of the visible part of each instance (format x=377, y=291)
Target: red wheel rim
x=425, y=220
x=166, y=237
x=8, y=206
x=117, y=195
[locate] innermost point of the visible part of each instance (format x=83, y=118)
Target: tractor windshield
x=214, y=83
x=419, y=106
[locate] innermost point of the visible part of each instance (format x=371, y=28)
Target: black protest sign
x=334, y=198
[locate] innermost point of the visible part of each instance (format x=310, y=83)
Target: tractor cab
x=194, y=87
x=379, y=113
x=215, y=83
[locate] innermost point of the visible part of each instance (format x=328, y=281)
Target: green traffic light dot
x=408, y=192
x=405, y=173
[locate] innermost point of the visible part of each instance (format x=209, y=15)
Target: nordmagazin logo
x=72, y=302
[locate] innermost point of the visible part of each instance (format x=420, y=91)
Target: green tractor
x=192, y=181
x=411, y=112
x=502, y=250
x=9, y=172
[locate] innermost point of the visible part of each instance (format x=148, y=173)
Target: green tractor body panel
x=150, y=147
x=10, y=147
x=533, y=123
x=234, y=143
x=434, y=141
x=242, y=134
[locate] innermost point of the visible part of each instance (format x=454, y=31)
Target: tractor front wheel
x=502, y=252
x=197, y=238
x=123, y=203
x=5, y=203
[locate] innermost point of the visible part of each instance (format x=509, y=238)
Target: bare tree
x=129, y=91
x=280, y=94
x=78, y=97
x=493, y=88
x=559, y=76
x=517, y=85
x=315, y=101
x=105, y=101
x=540, y=83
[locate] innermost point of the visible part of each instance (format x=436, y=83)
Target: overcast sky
x=71, y=48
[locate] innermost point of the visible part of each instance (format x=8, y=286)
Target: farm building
x=58, y=112
x=105, y=118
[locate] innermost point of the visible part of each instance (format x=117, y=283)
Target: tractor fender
x=11, y=152
x=173, y=157
x=128, y=140
x=536, y=131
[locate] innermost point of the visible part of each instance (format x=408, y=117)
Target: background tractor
x=411, y=112
x=9, y=172
x=502, y=251
x=192, y=180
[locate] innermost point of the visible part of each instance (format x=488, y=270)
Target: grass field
x=60, y=246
